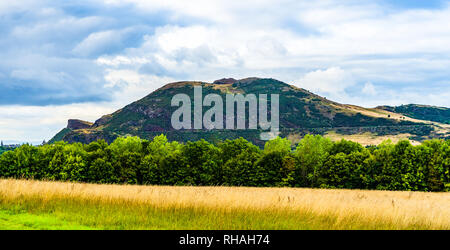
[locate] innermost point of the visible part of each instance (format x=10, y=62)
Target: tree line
x=4, y=149
x=315, y=162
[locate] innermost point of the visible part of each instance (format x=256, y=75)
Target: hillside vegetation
x=315, y=162
x=423, y=112
x=55, y=205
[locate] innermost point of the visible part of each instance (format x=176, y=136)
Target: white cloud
x=117, y=61
x=369, y=89
x=132, y=85
x=16, y=6
x=97, y=41
x=332, y=81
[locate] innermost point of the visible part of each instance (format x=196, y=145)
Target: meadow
x=28, y=204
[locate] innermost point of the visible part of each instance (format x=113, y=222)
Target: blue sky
x=417, y=4
x=83, y=59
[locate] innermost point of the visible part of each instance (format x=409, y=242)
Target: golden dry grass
x=369, y=138
x=345, y=209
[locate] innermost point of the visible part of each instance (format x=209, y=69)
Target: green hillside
x=423, y=112
x=301, y=112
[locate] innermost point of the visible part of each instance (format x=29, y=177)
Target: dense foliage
x=4, y=149
x=314, y=162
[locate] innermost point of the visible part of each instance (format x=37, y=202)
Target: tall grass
x=161, y=207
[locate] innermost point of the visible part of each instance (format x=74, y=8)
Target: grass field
x=55, y=205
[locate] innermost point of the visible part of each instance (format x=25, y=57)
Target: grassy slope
x=50, y=205
x=60, y=135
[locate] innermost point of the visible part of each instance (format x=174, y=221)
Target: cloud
x=333, y=82
x=369, y=89
x=32, y=79
x=32, y=123
x=36, y=123
x=98, y=42
x=109, y=41
x=133, y=85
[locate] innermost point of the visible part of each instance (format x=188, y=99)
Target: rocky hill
x=300, y=112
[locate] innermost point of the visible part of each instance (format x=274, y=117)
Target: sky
x=83, y=59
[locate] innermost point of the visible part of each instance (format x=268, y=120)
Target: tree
x=274, y=169
x=74, y=165
x=154, y=162
x=203, y=163
x=436, y=178
x=100, y=169
x=392, y=163
x=346, y=147
x=230, y=149
x=239, y=157
x=344, y=170
x=26, y=161
x=126, y=156
x=8, y=167
x=310, y=154
x=281, y=145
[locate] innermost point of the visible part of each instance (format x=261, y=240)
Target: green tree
x=239, y=157
x=203, y=163
x=75, y=164
x=274, y=169
x=310, y=155
x=100, y=168
x=157, y=151
x=126, y=155
x=346, y=147
x=8, y=165
x=281, y=145
x=344, y=170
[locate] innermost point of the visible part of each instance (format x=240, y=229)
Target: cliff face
x=225, y=81
x=300, y=112
x=75, y=124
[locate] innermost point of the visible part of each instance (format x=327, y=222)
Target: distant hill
x=301, y=112
x=423, y=112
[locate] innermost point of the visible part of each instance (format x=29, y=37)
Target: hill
x=300, y=112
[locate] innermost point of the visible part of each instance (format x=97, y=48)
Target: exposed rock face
x=75, y=124
x=225, y=81
x=102, y=121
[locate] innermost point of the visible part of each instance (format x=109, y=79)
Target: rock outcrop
x=75, y=124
